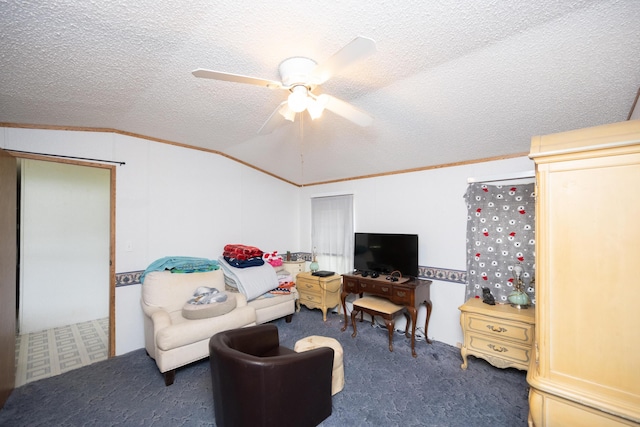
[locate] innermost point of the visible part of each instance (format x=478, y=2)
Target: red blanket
x=241, y=252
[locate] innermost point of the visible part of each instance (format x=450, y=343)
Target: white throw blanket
x=251, y=281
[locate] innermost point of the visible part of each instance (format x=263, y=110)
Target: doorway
x=66, y=277
x=64, y=245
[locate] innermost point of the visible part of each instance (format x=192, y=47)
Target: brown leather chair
x=256, y=382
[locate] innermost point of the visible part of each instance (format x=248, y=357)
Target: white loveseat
x=174, y=341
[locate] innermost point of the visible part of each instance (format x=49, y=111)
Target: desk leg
x=426, y=322
x=390, y=324
x=406, y=328
x=343, y=297
x=414, y=317
x=353, y=322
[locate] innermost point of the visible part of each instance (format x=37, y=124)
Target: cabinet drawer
x=294, y=267
x=306, y=287
x=310, y=299
x=502, y=329
x=499, y=349
x=307, y=281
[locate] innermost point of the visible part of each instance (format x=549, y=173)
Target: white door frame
x=112, y=227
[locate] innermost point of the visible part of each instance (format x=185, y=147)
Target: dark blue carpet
x=381, y=388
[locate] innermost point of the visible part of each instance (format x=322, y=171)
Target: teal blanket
x=181, y=264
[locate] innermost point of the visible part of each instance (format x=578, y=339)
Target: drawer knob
x=496, y=329
x=401, y=293
x=385, y=289
x=498, y=349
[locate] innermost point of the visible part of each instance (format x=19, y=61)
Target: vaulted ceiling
x=450, y=81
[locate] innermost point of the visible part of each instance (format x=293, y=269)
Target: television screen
x=385, y=253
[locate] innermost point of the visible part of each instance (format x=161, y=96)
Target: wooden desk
x=410, y=294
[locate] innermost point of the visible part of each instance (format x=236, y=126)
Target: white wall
x=176, y=201
x=428, y=203
x=173, y=201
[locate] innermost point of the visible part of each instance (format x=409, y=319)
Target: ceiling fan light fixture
x=315, y=105
x=298, y=98
x=286, y=112
x=301, y=76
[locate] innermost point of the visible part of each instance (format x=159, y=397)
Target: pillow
x=213, y=309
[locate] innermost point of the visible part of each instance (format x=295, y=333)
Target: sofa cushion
x=213, y=309
x=183, y=331
x=271, y=300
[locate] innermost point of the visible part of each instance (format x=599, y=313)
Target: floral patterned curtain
x=500, y=235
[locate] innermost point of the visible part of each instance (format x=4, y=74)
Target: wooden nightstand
x=319, y=292
x=500, y=334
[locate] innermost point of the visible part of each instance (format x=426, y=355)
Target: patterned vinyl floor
x=55, y=351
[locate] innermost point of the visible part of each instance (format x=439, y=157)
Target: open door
x=8, y=242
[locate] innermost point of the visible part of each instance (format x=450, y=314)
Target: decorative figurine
x=487, y=297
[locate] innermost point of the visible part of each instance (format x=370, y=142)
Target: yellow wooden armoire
x=586, y=369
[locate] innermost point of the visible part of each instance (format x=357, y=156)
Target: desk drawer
x=500, y=329
x=498, y=349
x=383, y=289
x=351, y=285
x=402, y=296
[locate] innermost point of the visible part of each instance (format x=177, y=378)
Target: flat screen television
x=385, y=253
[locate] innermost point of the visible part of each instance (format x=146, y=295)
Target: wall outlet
x=459, y=344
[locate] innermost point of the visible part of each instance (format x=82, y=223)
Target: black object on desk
x=323, y=273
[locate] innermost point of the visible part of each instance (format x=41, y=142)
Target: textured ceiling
x=451, y=81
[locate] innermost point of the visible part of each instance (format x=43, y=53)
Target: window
x=332, y=232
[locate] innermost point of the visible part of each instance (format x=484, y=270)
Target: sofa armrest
x=161, y=320
x=147, y=309
x=154, y=319
x=159, y=317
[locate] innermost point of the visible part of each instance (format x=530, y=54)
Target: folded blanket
x=239, y=263
x=180, y=264
x=283, y=289
x=251, y=282
x=242, y=252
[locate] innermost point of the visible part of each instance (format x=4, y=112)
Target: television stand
x=408, y=292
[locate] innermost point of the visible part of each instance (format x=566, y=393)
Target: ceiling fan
x=301, y=76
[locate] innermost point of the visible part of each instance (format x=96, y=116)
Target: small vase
x=314, y=266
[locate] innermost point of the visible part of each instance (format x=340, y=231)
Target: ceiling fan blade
x=347, y=111
x=274, y=121
x=359, y=48
x=236, y=78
